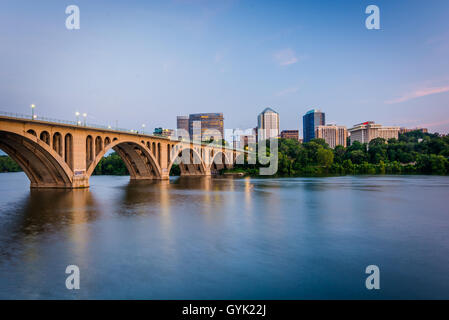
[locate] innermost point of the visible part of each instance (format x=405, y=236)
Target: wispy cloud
x=285, y=57
x=219, y=60
x=287, y=91
x=438, y=38
x=435, y=124
x=418, y=94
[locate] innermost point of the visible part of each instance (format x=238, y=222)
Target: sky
x=145, y=62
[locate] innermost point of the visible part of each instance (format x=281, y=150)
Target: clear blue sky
x=149, y=61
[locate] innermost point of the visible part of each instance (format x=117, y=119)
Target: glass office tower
x=205, y=121
x=312, y=119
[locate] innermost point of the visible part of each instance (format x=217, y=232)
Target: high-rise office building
x=290, y=134
x=182, y=122
x=205, y=121
x=333, y=135
x=268, y=124
x=312, y=119
x=367, y=131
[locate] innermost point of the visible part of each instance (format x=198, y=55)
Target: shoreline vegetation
x=414, y=152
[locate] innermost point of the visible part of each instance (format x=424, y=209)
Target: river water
x=225, y=238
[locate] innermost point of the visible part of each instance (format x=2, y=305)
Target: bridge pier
x=80, y=182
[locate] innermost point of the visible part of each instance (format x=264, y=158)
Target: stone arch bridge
x=57, y=155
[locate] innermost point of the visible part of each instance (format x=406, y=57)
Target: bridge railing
x=90, y=125
x=66, y=122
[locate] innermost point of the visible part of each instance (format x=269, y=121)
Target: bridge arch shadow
x=219, y=162
x=43, y=165
x=139, y=160
x=189, y=161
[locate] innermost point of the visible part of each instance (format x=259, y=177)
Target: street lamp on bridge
x=143, y=128
x=32, y=111
x=77, y=114
x=85, y=116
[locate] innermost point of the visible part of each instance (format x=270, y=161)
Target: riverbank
x=413, y=153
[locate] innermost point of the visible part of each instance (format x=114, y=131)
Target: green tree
x=357, y=156
x=8, y=165
x=339, y=153
x=348, y=166
x=325, y=157
x=111, y=165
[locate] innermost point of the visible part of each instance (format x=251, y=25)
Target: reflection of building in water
x=249, y=188
x=82, y=204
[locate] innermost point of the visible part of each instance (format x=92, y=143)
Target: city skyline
x=192, y=57
x=224, y=158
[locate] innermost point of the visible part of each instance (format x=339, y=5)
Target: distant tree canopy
x=111, y=165
x=413, y=152
x=8, y=165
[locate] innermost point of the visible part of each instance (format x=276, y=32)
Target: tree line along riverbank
x=412, y=153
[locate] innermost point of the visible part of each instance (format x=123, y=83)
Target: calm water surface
x=217, y=238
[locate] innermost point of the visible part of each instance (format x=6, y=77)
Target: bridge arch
x=89, y=151
x=68, y=150
x=45, y=136
x=220, y=161
x=41, y=163
x=193, y=166
x=98, y=145
x=138, y=159
x=57, y=143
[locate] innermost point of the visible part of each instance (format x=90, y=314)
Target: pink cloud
x=418, y=94
x=435, y=124
x=285, y=57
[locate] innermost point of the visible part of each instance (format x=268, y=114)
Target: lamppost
x=32, y=111
x=143, y=128
x=77, y=114
x=85, y=116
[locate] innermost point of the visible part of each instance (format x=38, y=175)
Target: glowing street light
x=77, y=114
x=143, y=128
x=32, y=111
x=85, y=116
